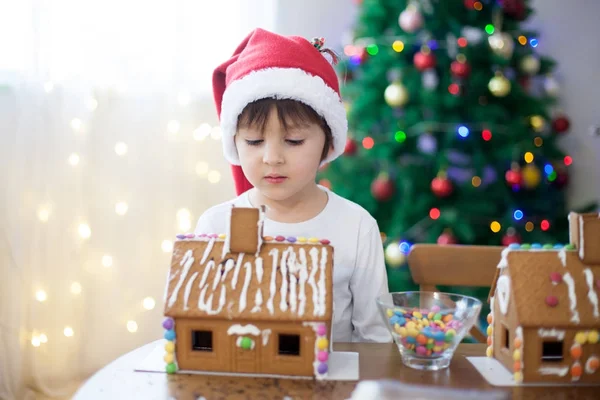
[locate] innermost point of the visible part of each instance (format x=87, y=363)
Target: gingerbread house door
x=246, y=354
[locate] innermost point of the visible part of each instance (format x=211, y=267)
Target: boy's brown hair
x=290, y=113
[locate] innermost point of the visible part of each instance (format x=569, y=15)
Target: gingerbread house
x=545, y=316
x=243, y=303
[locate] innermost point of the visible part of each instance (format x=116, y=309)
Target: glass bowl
x=428, y=326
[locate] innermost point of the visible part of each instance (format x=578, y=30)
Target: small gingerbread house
x=243, y=303
x=545, y=316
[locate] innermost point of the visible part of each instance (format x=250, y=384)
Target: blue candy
x=411, y=340
x=170, y=334
x=514, y=246
x=396, y=319
x=536, y=246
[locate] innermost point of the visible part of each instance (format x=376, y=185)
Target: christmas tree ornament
x=532, y=176
x=427, y=143
x=561, y=124
x=396, y=95
x=429, y=79
x=351, y=147
x=499, y=86
x=538, y=123
x=469, y=4
x=513, y=176
x=394, y=257
x=424, y=59
x=410, y=20
x=382, y=188
x=562, y=176
x=530, y=64
x=511, y=237
x=502, y=44
x=441, y=186
x=473, y=35
x=551, y=86
x=447, y=237
x=460, y=69
x=514, y=9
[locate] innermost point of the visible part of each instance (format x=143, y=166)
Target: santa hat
x=268, y=65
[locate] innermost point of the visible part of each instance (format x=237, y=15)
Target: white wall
x=568, y=33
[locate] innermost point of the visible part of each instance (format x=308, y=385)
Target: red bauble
x=424, y=61
x=441, y=186
x=470, y=4
x=562, y=178
x=509, y=239
x=460, y=69
x=561, y=124
x=514, y=8
x=351, y=147
x=447, y=238
x=513, y=177
x=382, y=188
x=525, y=82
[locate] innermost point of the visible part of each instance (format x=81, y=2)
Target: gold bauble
x=502, y=44
x=396, y=95
x=394, y=257
x=532, y=176
x=537, y=122
x=530, y=65
x=499, y=85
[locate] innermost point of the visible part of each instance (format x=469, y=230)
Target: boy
x=282, y=118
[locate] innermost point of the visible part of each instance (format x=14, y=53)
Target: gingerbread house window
x=506, y=337
x=289, y=345
x=202, y=341
x=552, y=351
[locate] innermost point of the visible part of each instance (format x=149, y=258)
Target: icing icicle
x=272, y=286
x=209, y=247
x=207, y=269
x=314, y=253
x=217, y=278
x=228, y=267
x=257, y=301
x=572, y=297
x=284, y=282
x=322, y=290
x=303, y=278
x=592, y=296
x=186, y=268
x=258, y=262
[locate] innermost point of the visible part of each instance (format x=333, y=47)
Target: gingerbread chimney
x=246, y=230
x=584, y=234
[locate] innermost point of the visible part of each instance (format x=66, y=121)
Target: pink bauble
x=410, y=20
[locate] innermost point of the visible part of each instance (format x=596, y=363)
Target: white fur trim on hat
x=282, y=83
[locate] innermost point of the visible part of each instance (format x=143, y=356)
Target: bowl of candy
x=428, y=326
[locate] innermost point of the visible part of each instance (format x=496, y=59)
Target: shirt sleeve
x=367, y=283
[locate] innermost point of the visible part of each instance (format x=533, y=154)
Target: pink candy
x=321, y=330
x=421, y=350
x=322, y=356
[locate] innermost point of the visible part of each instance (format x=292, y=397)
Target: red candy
x=556, y=277
x=325, y=241
x=552, y=301
x=279, y=238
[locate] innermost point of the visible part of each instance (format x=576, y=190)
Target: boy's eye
x=295, y=142
x=253, y=142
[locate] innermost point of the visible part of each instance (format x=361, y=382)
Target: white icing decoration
x=207, y=269
x=261, y=221
x=188, y=290
x=221, y=302
x=238, y=329
x=188, y=254
x=322, y=289
x=581, y=252
x=257, y=301
x=293, y=302
x=562, y=255
x=217, y=278
x=503, y=290
x=504, y=260
x=314, y=253
x=572, y=297
x=588, y=369
x=560, y=371
x=258, y=262
x=201, y=303
x=315, y=326
x=238, y=265
x=592, y=296
x=174, y=275
x=238, y=342
x=272, y=287
x=284, y=282
x=265, y=336
x=555, y=333
x=186, y=268
x=228, y=267
x=207, y=251
x=303, y=277
x=244, y=294
x=208, y=304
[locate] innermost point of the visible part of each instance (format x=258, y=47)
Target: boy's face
x=280, y=163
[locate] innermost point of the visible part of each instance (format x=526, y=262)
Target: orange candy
x=517, y=366
x=518, y=343
x=421, y=339
x=576, y=370
x=267, y=238
x=576, y=351
x=447, y=318
x=593, y=363
x=489, y=318
x=489, y=341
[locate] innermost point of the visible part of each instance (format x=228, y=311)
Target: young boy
x=281, y=119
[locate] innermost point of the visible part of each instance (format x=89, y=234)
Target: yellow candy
x=169, y=347
x=401, y=310
x=430, y=315
x=301, y=239
x=489, y=351
x=402, y=332
x=437, y=348
x=222, y=236
x=441, y=324
x=446, y=345
x=417, y=314
x=412, y=332
x=313, y=240
x=518, y=376
x=593, y=337
x=490, y=330
x=411, y=325
x=168, y=358
x=390, y=313
x=516, y=355
x=322, y=344
x=425, y=322
x=581, y=337
x=430, y=341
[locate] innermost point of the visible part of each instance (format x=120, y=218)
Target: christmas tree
x=453, y=128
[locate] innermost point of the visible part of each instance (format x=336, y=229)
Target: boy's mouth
x=274, y=178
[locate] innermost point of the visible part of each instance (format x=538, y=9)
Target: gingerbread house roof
x=551, y=288
x=278, y=279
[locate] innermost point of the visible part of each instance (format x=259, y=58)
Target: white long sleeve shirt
x=359, y=273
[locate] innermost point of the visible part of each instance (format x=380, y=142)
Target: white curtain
x=109, y=147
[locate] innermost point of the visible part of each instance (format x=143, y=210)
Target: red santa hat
x=268, y=65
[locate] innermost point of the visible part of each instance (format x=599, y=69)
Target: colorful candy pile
x=426, y=333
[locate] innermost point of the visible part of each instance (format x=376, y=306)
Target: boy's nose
x=273, y=154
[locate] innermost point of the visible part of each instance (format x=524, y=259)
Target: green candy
x=246, y=343
x=430, y=346
x=570, y=247
x=548, y=246
x=449, y=336
x=525, y=246
x=171, y=368
x=437, y=317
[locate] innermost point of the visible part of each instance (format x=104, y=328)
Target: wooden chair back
x=433, y=265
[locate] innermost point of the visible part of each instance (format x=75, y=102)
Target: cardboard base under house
x=343, y=366
x=496, y=374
